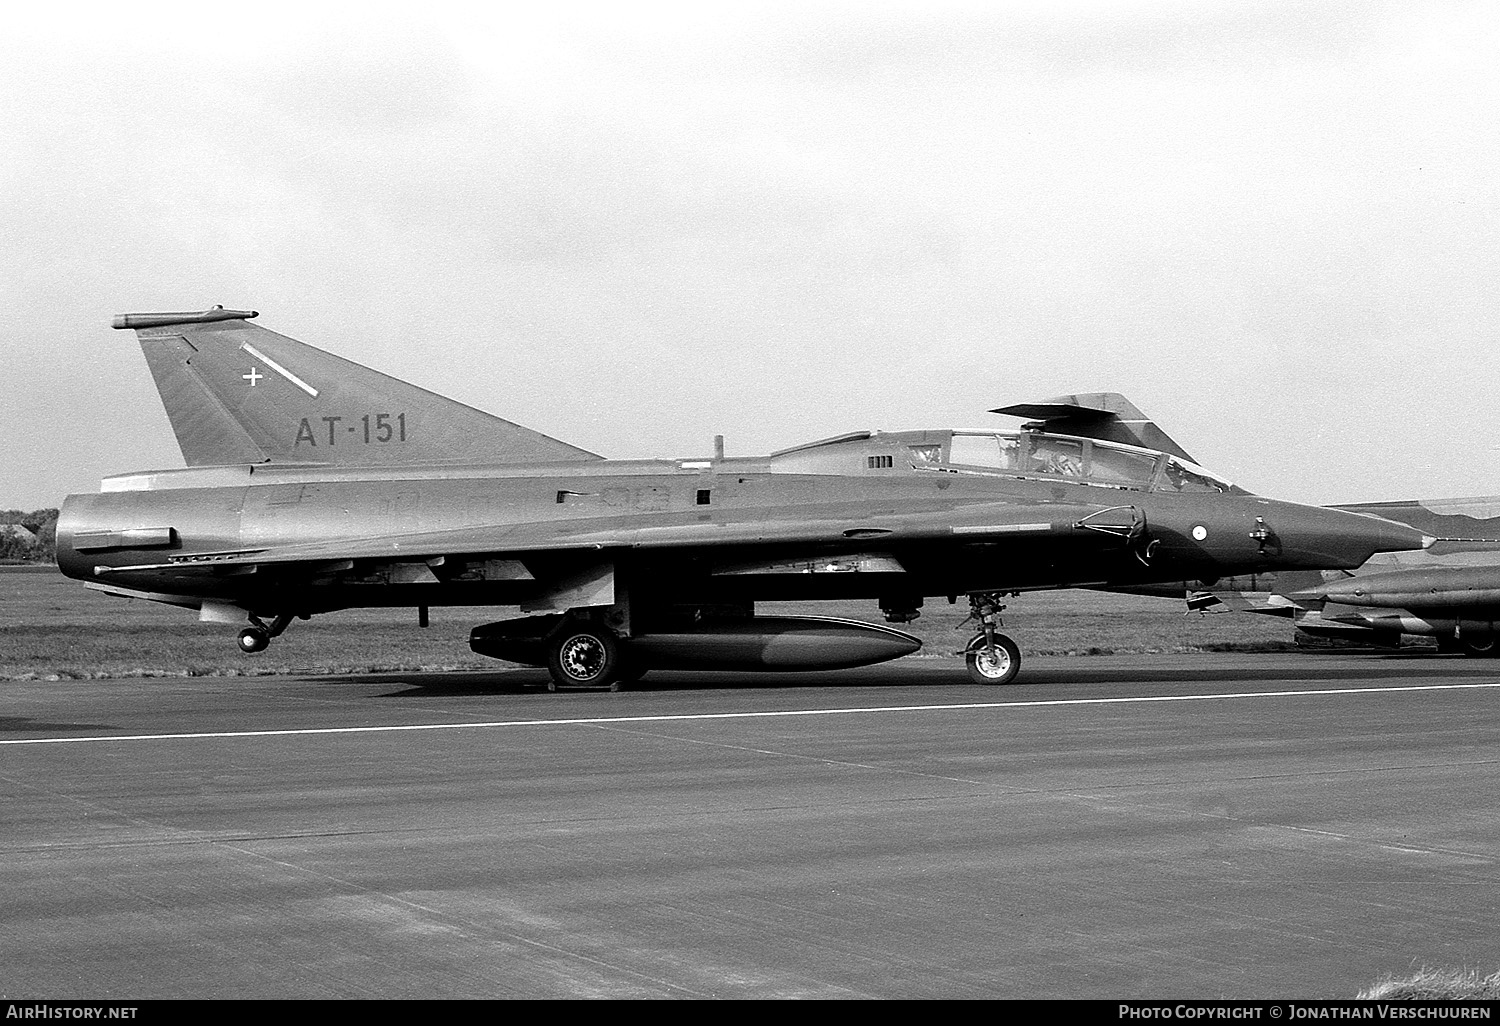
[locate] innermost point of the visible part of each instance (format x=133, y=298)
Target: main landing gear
x=258, y=635
x=585, y=654
x=1480, y=646
x=992, y=657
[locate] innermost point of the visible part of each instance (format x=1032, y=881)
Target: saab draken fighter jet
x=314, y=484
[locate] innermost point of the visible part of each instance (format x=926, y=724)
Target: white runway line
x=782, y=713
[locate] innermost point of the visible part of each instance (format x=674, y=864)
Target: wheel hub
x=992, y=662
x=583, y=657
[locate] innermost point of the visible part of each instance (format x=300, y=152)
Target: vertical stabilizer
x=237, y=393
x=1104, y=415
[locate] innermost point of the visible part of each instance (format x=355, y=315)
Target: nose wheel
x=991, y=657
x=992, y=660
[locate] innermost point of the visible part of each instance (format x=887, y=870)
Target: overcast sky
x=1272, y=225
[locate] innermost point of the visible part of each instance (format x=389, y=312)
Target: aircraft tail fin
x=238, y=393
x=1459, y=525
x=1108, y=416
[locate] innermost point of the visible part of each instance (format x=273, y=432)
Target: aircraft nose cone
x=1317, y=538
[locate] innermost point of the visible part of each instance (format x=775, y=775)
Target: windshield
x=1182, y=476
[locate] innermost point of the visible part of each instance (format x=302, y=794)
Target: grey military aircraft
x=314, y=484
x=1449, y=592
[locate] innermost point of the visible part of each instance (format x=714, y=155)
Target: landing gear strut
x=258, y=635
x=992, y=658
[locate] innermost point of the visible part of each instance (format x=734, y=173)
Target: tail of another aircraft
x=1460, y=525
x=1104, y=415
x=237, y=393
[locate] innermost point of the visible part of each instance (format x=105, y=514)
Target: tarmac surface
x=1167, y=827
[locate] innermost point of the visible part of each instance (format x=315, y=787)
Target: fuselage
x=888, y=515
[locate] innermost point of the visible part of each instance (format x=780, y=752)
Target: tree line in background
x=28, y=537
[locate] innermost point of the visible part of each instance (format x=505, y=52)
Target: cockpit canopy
x=1085, y=460
x=1026, y=453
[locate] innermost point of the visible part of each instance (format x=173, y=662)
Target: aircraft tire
x=1001, y=668
x=584, y=655
x=1485, y=646
x=253, y=640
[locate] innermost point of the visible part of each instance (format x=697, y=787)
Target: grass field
x=51, y=627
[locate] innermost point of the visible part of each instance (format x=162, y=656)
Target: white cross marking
x=252, y=377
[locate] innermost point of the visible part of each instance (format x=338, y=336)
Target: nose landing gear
x=992, y=657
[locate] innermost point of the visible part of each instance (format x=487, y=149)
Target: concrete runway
x=1236, y=826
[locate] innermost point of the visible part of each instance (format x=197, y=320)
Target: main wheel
x=997, y=667
x=1482, y=646
x=584, y=655
x=253, y=640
